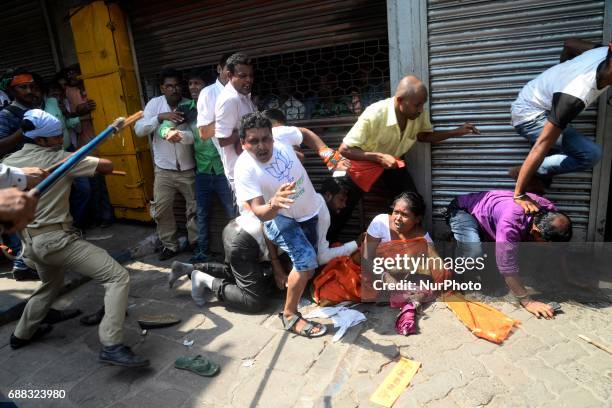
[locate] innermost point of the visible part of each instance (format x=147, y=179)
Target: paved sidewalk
x=117, y=240
x=542, y=364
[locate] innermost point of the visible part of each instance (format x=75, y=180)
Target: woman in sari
x=401, y=237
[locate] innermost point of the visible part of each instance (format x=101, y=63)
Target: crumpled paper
x=342, y=317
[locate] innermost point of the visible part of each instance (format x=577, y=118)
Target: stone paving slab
x=542, y=364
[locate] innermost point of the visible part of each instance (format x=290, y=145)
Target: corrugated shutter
x=188, y=33
x=24, y=41
x=481, y=53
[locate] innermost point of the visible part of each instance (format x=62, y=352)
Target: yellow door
x=105, y=57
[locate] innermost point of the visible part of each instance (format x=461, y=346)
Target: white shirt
x=167, y=155
x=324, y=252
x=252, y=225
x=289, y=135
x=257, y=179
x=230, y=107
x=12, y=177
x=576, y=77
x=206, y=107
x=379, y=228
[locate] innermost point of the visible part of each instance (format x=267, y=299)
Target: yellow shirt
x=54, y=206
x=377, y=130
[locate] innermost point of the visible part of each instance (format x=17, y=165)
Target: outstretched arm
x=436, y=137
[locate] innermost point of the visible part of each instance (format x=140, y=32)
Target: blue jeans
x=206, y=185
x=466, y=230
x=79, y=198
x=297, y=239
x=572, y=152
x=14, y=243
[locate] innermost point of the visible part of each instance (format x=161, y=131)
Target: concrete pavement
x=542, y=364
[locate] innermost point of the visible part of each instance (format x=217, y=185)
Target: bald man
x=386, y=130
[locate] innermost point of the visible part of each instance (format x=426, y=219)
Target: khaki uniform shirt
x=377, y=130
x=54, y=206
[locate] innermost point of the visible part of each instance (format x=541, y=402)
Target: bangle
x=520, y=196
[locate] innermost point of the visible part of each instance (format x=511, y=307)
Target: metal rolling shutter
x=481, y=53
x=25, y=40
x=191, y=33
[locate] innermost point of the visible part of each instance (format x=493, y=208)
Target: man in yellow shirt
x=386, y=130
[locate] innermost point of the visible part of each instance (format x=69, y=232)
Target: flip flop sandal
x=199, y=365
x=147, y=322
x=288, y=324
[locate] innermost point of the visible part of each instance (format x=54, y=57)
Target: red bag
x=365, y=173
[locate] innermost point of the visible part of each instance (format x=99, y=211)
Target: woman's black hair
x=415, y=201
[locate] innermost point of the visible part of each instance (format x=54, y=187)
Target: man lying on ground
x=496, y=216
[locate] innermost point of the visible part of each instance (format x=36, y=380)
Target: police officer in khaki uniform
x=54, y=245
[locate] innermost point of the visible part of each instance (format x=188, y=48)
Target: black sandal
x=289, y=324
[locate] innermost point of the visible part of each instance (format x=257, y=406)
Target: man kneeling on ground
x=244, y=281
x=55, y=245
x=498, y=218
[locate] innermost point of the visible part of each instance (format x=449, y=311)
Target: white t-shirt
x=206, y=107
x=576, y=78
x=379, y=228
x=230, y=107
x=252, y=225
x=255, y=179
x=289, y=135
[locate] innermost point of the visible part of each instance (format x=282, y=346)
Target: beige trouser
x=167, y=184
x=56, y=251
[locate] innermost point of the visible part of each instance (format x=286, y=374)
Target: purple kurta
x=502, y=221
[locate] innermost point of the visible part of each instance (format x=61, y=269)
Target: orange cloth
x=415, y=247
x=365, y=173
x=21, y=79
x=483, y=320
x=340, y=280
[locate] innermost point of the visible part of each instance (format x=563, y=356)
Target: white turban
x=45, y=124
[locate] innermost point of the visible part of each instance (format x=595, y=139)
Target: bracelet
x=520, y=196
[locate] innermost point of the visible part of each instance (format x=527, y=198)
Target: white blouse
x=379, y=228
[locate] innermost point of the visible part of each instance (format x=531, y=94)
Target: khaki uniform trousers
x=54, y=252
x=167, y=183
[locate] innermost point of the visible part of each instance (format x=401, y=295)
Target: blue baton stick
x=80, y=154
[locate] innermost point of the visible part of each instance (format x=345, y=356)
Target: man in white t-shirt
x=285, y=134
x=233, y=103
x=271, y=179
x=544, y=109
x=207, y=101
